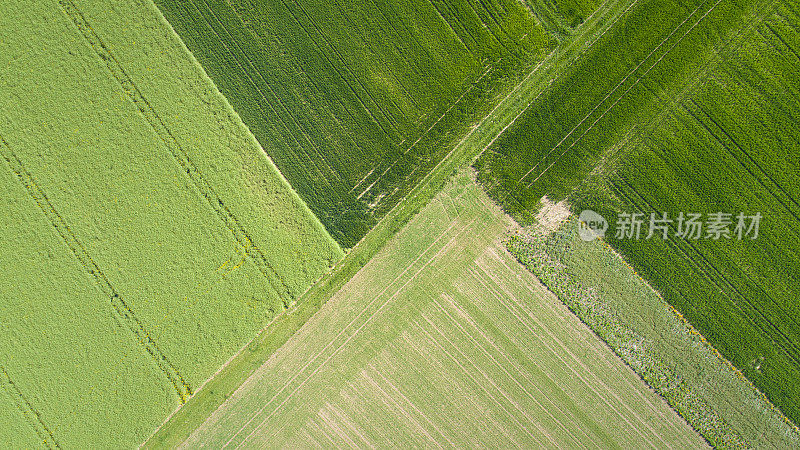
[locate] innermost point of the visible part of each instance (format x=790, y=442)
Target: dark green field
x=356, y=101
x=685, y=107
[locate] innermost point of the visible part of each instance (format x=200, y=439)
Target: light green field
x=66, y=353
x=146, y=236
x=444, y=339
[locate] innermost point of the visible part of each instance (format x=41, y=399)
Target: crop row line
x=318, y=92
x=452, y=17
x=391, y=120
x=743, y=33
x=177, y=151
x=452, y=30
x=481, y=379
x=652, y=370
x=489, y=27
x=710, y=63
x=237, y=55
x=701, y=268
x=123, y=311
x=635, y=83
x=712, y=267
x=463, y=94
x=424, y=346
x=612, y=90
x=418, y=49
x=494, y=286
x=243, y=54
x=520, y=377
x=461, y=19
x=32, y=415
x=783, y=41
x=390, y=400
x=390, y=117
x=607, y=96
x=301, y=128
x=416, y=409
x=422, y=136
x=362, y=180
x=588, y=44
x=754, y=285
x=550, y=19
x=717, y=277
x=783, y=98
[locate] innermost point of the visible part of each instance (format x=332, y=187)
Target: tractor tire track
x=33, y=417
x=123, y=312
x=610, y=93
x=180, y=155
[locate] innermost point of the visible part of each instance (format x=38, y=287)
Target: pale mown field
x=444, y=339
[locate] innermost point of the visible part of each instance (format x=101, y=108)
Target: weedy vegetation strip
x=653, y=338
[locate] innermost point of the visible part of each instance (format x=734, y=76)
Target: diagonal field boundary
x=121, y=308
x=34, y=418
x=180, y=155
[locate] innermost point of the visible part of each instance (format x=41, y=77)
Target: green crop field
x=560, y=17
x=695, y=112
x=146, y=236
x=357, y=101
x=443, y=339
